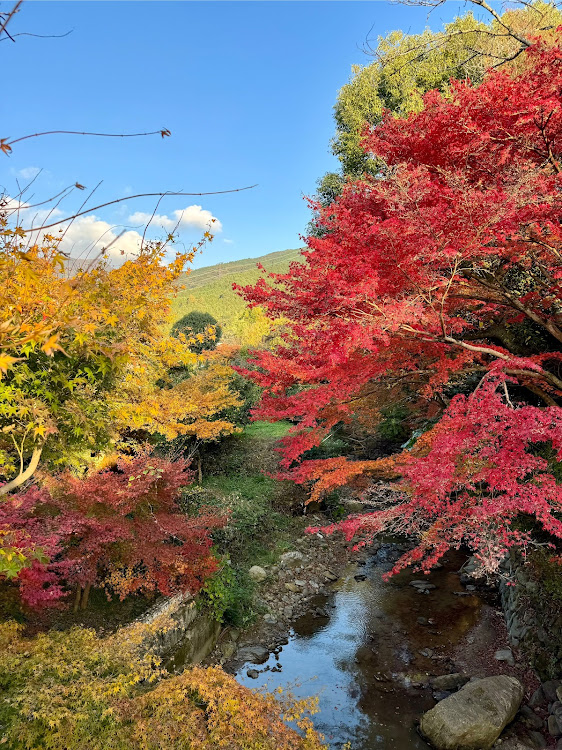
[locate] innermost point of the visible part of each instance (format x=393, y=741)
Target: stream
x=367, y=648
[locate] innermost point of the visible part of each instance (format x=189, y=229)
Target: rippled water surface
x=363, y=657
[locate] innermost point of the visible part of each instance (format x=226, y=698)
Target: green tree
x=406, y=66
x=200, y=329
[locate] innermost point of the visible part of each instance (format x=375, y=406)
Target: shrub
x=75, y=691
x=120, y=528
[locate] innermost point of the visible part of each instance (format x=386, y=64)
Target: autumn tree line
x=431, y=277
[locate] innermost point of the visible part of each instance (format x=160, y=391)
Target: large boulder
x=473, y=718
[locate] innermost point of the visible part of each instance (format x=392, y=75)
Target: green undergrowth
x=261, y=524
x=547, y=572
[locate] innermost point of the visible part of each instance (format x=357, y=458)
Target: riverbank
x=379, y=654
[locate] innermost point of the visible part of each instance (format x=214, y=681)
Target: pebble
x=505, y=654
x=253, y=673
x=440, y=695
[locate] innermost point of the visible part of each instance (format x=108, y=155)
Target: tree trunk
x=199, y=470
x=24, y=475
x=85, y=596
x=77, y=598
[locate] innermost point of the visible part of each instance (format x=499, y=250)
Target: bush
x=122, y=529
x=229, y=595
x=76, y=691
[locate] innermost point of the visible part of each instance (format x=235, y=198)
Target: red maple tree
x=445, y=267
x=121, y=528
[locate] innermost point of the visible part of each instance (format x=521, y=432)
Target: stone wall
x=534, y=618
x=188, y=633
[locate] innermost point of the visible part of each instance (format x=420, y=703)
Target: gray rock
x=519, y=738
x=473, y=718
x=505, y=654
x=253, y=673
x=553, y=727
x=300, y=584
x=424, y=585
x=292, y=587
x=270, y=619
x=291, y=559
x=471, y=567
x=422, y=621
x=549, y=689
x=537, y=740
x=559, y=745
x=556, y=710
x=518, y=743
x=452, y=681
x=257, y=574
x=530, y=718
x=227, y=649
x=331, y=576
x=538, y=698
x=254, y=654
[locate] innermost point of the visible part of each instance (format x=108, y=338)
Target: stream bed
x=368, y=648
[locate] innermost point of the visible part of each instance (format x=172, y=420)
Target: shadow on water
x=367, y=650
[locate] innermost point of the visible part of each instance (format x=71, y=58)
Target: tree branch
x=23, y=475
x=133, y=197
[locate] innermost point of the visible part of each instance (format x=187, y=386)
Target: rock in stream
x=473, y=718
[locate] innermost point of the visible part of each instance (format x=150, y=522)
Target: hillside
x=209, y=290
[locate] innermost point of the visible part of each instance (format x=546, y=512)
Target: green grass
x=270, y=430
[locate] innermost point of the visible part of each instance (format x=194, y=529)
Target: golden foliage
x=76, y=691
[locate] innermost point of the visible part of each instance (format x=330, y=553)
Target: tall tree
x=447, y=269
x=406, y=66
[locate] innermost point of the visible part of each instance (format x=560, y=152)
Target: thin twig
x=139, y=195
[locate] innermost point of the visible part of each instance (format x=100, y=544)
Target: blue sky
x=247, y=89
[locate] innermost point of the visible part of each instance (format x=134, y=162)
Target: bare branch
x=37, y=36
x=133, y=197
x=7, y=145
x=9, y=17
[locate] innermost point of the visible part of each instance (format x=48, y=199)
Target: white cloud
x=28, y=173
x=84, y=238
x=195, y=217
x=228, y=242
x=88, y=235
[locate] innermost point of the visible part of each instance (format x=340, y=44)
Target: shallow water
x=363, y=658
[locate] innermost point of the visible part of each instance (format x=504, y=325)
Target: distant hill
x=209, y=290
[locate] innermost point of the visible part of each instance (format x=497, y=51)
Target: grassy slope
x=210, y=290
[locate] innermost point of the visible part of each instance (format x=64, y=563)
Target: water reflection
x=367, y=657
